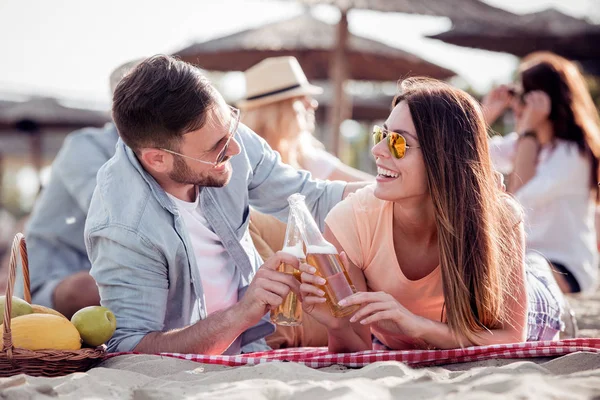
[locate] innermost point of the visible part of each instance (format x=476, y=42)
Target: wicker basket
x=39, y=362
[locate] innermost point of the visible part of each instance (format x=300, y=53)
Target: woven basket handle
x=18, y=246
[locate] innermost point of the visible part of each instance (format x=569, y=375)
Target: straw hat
x=275, y=79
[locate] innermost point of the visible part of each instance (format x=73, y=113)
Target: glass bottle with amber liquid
x=325, y=258
x=289, y=313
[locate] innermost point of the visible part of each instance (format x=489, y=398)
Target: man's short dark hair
x=159, y=101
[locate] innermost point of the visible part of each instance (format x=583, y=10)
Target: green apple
x=95, y=324
x=19, y=307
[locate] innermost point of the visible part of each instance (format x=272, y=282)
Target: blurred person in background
x=58, y=261
x=280, y=107
x=552, y=159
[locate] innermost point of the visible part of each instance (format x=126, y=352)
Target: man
x=58, y=259
x=167, y=231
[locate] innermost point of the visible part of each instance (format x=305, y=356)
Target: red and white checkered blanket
x=318, y=357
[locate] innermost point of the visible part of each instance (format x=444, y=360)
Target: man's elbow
x=125, y=343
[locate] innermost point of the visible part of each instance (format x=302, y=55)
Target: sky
x=67, y=48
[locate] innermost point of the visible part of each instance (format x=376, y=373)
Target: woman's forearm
x=347, y=340
x=439, y=335
x=525, y=163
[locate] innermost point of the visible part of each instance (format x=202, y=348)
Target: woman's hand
x=384, y=311
x=313, y=296
x=495, y=103
x=537, y=110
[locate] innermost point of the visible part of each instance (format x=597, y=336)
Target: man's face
x=204, y=146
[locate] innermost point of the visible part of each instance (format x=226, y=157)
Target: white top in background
x=317, y=161
x=220, y=278
x=559, y=207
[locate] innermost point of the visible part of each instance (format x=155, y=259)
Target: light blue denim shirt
x=54, y=233
x=141, y=254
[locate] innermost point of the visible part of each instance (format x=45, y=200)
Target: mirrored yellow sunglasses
x=395, y=141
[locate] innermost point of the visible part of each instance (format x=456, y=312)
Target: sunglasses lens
x=397, y=144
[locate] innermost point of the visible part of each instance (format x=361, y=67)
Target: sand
x=145, y=377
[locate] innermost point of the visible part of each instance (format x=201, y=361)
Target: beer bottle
x=325, y=258
x=289, y=313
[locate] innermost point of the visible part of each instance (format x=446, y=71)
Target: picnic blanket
x=319, y=357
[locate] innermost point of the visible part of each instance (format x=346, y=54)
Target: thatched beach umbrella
x=366, y=106
x=49, y=112
x=312, y=42
x=453, y=9
x=550, y=30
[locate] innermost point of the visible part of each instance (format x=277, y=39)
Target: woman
x=279, y=107
x=552, y=160
x=435, y=247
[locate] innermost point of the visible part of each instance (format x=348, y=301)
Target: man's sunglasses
x=233, y=126
x=395, y=141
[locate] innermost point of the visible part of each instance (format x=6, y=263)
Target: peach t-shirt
x=362, y=224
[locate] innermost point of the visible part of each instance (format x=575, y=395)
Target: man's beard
x=183, y=174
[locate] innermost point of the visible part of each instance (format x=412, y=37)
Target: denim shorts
x=545, y=300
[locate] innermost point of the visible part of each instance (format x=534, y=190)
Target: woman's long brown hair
x=573, y=114
x=475, y=224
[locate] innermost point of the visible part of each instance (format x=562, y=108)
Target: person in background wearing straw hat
x=167, y=231
x=58, y=260
x=280, y=107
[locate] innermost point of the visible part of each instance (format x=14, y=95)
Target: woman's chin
x=385, y=193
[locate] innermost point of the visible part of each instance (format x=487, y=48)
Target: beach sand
x=144, y=377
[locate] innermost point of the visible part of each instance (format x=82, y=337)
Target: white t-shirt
x=559, y=206
x=220, y=277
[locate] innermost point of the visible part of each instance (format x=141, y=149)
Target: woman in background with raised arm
x=552, y=159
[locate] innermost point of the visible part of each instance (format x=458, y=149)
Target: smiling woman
x=435, y=247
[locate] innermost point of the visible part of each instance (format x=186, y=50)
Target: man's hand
x=269, y=288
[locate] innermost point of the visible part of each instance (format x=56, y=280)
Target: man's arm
x=212, y=335
x=133, y=283
x=343, y=172
x=219, y=330
x=352, y=187
x=272, y=182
